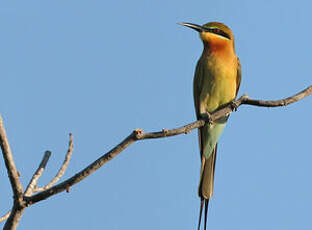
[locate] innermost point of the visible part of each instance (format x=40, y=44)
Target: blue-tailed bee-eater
x=216, y=83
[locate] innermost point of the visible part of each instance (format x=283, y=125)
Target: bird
x=216, y=83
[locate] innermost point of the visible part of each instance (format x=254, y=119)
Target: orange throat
x=218, y=47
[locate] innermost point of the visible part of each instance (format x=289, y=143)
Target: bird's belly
x=219, y=92
x=223, y=92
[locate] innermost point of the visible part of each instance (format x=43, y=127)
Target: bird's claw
x=208, y=118
x=234, y=106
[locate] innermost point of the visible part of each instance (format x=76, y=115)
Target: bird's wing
x=197, y=87
x=238, y=76
x=197, y=83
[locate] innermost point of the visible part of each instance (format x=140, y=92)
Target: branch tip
x=63, y=168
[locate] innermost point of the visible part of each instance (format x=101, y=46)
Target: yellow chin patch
x=207, y=36
x=215, y=42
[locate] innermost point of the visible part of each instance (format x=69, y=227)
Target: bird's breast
x=219, y=83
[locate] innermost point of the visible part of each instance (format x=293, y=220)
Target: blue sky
x=99, y=69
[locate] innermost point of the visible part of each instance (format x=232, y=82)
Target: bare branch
x=19, y=207
x=10, y=165
x=19, y=203
x=138, y=134
x=33, y=182
x=63, y=168
x=283, y=102
x=5, y=216
x=84, y=173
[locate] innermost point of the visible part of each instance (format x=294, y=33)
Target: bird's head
x=215, y=35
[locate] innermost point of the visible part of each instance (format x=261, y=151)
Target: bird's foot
x=208, y=118
x=234, y=105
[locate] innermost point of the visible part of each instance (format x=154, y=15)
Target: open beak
x=198, y=28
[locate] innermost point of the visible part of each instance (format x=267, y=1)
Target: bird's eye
x=219, y=32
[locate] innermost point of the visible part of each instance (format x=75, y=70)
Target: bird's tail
x=205, y=190
x=201, y=211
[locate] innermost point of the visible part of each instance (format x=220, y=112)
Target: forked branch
x=14, y=215
x=33, y=182
x=63, y=168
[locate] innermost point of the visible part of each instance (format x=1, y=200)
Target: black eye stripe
x=218, y=31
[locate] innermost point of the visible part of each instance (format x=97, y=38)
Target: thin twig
x=33, y=182
x=63, y=168
x=15, y=214
x=19, y=203
x=82, y=174
x=5, y=216
x=9, y=163
x=283, y=102
x=138, y=134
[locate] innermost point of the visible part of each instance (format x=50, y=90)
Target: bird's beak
x=198, y=28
